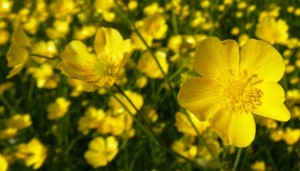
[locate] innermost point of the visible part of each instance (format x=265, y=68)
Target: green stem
x=42, y=56
x=271, y=160
x=237, y=159
x=7, y=104
x=200, y=137
x=150, y=133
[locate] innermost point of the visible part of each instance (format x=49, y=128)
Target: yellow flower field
x=149, y=85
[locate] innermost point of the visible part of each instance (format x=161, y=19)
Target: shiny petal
x=198, y=95
x=76, y=53
x=259, y=57
x=214, y=58
x=236, y=129
x=16, y=55
x=19, y=37
x=272, y=102
x=107, y=41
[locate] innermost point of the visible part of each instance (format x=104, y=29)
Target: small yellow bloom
x=58, y=108
x=272, y=30
x=148, y=65
x=3, y=163
x=19, y=121
x=291, y=136
x=183, y=124
x=136, y=98
x=34, y=153
x=8, y=133
x=18, y=53
x=234, y=85
x=101, y=68
x=101, y=151
x=92, y=119
x=258, y=166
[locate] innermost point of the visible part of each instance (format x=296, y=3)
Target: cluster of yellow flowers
x=103, y=75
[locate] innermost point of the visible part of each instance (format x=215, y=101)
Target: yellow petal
x=214, y=58
x=76, y=53
x=198, y=95
x=16, y=55
x=259, y=57
x=107, y=41
x=236, y=129
x=272, y=102
x=19, y=37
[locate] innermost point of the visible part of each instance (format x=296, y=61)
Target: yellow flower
x=136, y=99
x=34, y=153
x=234, y=85
x=183, y=125
x=101, y=151
x=258, y=166
x=58, y=108
x=91, y=119
x=272, y=30
x=148, y=65
x=102, y=68
x=291, y=136
x=19, y=121
x=18, y=53
x=3, y=163
x=8, y=133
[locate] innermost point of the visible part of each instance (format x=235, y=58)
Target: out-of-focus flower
x=272, y=30
x=44, y=76
x=136, y=98
x=59, y=29
x=276, y=135
x=91, y=120
x=18, y=53
x=102, y=68
x=234, y=86
x=185, y=148
x=291, y=136
x=152, y=9
x=19, y=121
x=62, y=8
x=5, y=86
x=5, y=7
x=101, y=151
x=80, y=86
x=258, y=166
x=3, y=163
x=33, y=153
x=84, y=32
x=183, y=124
x=4, y=36
x=148, y=65
x=58, y=108
x=8, y=133
x=43, y=48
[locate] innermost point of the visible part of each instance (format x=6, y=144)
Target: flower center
x=240, y=93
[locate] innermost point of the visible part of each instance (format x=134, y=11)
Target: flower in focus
x=34, y=153
x=58, y=108
x=18, y=53
x=101, y=68
x=101, y=151
x=234, y=85
x=3, y=163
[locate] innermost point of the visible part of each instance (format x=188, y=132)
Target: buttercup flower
x=101, y=151
x=33, y=153
x=234, y=85
x=101, y=68
x=58, y=108
x=18, y=53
